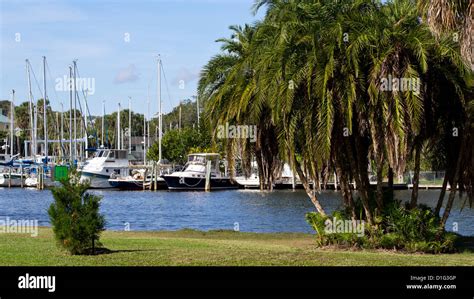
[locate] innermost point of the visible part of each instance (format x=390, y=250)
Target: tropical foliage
x=312, y=75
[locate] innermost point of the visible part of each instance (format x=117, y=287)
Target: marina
x=198, y=147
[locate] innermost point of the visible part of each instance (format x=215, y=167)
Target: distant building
x=138, y=146
x=4, y=121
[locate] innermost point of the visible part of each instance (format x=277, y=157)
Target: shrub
x=75, y=217
x=398, y=227
x=325, y=237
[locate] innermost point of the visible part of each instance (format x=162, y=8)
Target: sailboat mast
x=118, y=127
x=179, y=122
x=75, y=107
x=145, y=128
x=159, y=111
x=86, y=137
x=129, y=125
x=144, y=139
x=148, y=118
x=45, y=121
x=12, y=122
x=30, y=106
x=71, y=158
x=197, y=106
x=35, y=130
x=62, y=130
x=103, y=122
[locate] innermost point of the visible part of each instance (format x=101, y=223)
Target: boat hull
x=6, y=182
x=135, y=184
x=96, y=181
x=197, y=184
x=48, y=183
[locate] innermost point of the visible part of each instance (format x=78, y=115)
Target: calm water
x=254, y=211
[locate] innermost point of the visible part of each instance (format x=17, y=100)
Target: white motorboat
x=106, y=164
x=193, y=177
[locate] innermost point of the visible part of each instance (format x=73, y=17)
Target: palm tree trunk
x=454, y=186
x=379, y=196
x=416, y=177
x=346, y=190
x=390, y=182
x=362, y=177
x=311, y=193
x=439, y=205
x=377, y=140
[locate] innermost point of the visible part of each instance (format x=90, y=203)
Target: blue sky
x=95, y=33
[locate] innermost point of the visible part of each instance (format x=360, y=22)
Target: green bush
x=398, y=227
x=75, y=217
x=326, y=238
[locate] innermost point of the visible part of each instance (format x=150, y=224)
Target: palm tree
x=310, y=74
x=453, y=19
x=227, y=84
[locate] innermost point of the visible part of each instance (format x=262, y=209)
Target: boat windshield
x=197, y=163
x=110, y=155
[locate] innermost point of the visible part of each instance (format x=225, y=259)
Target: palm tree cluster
x=312, y=75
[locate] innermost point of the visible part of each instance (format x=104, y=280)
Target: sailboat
x=44, y=160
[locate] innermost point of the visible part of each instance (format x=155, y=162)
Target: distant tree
x=177, y=144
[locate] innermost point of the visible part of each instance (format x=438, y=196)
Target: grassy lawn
x=188, y=247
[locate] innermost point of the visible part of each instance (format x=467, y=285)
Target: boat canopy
x=112, y=154
x=203, y=157
x=197, y=162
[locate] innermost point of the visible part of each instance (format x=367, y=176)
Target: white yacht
x=193, y=177
x=251, y=182
x=106, y=163
x=15, y=180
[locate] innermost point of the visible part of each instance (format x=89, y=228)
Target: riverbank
x=215, y=248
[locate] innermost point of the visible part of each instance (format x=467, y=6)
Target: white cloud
x=128, y=74
x=186, y=75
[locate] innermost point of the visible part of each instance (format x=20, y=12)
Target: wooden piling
x=144, y=178
x=38, y=177
x=156, y=177
x=208, y=176
x=152, y=180
x=10, y=177
x=21, y=176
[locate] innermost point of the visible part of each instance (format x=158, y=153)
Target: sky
x=116, y=43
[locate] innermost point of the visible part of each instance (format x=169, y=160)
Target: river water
x=247, y=210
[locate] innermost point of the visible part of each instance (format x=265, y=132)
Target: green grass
x=215, y=248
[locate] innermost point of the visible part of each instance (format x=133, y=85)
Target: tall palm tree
x=453, y=19
x=227, y=84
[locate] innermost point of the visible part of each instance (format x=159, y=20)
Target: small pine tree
x=75, y=216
